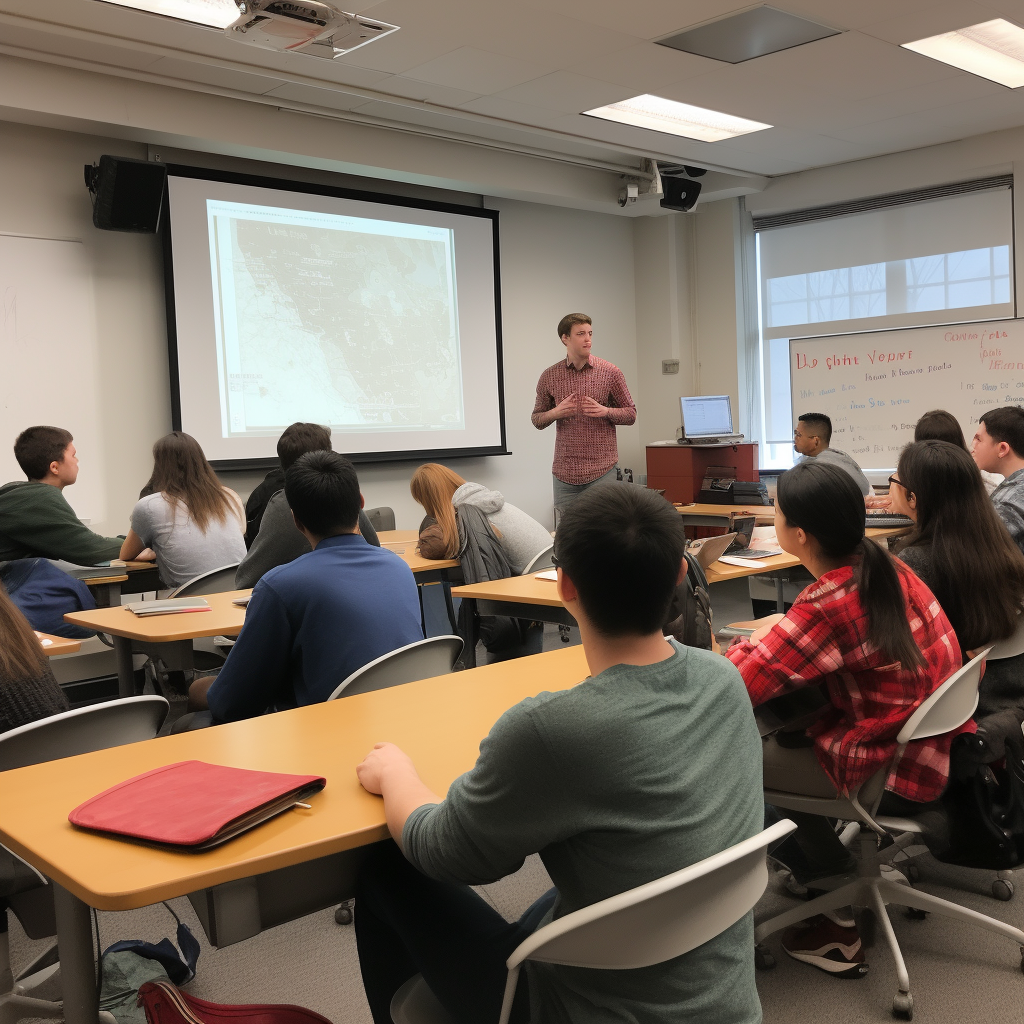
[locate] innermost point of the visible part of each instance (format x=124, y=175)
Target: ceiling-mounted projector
x=304, y=26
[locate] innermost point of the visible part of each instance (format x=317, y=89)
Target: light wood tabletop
x=439, y=722
x=54, y=645
x=223, y=617
x=764, y=513
x=404, y=543
x=519, y=589
x=114, y=577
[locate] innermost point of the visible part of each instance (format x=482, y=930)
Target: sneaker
x=829, y=946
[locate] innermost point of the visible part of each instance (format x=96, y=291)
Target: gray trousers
x=565, y=493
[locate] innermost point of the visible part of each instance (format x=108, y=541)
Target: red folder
x=193, y=804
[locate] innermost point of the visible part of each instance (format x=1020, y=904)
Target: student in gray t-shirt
x=651, y=764
x=811, y=439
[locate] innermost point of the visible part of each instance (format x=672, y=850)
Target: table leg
x=780, y=595
x=450, y=605
x=125, y=668
x=423, y=610
x=472, y=621
x=77, y=960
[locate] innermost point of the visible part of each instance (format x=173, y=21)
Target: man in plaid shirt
x=587, y=397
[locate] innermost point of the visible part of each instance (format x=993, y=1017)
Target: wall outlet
x=670, y=366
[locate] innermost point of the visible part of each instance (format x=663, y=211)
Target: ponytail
x=882, y=597
x=824, y=501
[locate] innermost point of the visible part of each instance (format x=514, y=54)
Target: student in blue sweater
x=649, y=765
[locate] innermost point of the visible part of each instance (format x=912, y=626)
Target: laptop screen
x=707, y=416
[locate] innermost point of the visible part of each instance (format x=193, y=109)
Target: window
x=941, y=260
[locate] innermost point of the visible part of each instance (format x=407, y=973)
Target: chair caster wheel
x=903, y=1006
x=1002, y=890
x=763, y=958
x=916, y=915
x=343, y=915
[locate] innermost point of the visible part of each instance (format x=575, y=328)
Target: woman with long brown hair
x=939, y=425
x=963, y=552
x=441, y=492
x=28, y=690
x=191, y=521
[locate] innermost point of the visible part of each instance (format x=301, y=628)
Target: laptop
x=707, y=419
x=741, y=545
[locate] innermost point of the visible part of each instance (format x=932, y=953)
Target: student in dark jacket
x=964, y=554
x=277, y=540
x=35, y=517
x=28, y=690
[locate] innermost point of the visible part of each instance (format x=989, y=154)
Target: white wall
x=553, y=260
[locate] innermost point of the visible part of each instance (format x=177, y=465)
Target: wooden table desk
x=106, y=590
x=439, y=722
x=427, y=571
x=58, y=645
x=719, y=515
x=181, y=628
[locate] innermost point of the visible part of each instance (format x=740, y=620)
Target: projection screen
x=377, y=316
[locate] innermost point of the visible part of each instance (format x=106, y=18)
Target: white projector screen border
x=183, y=419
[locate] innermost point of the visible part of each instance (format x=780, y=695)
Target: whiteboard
x=50, y=358
x=875, y=385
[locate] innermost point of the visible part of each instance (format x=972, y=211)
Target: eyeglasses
x=555, y=563
x=894, y=480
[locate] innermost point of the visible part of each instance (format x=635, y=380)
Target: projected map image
x=344, y=321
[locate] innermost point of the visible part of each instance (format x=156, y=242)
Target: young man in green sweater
x=651, y=764
x=35, y=518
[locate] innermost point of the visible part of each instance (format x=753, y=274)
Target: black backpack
x=689, y=615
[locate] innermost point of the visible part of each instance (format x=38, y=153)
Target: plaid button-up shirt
x=1008, y=499
x=822, y=640
x=585, y=446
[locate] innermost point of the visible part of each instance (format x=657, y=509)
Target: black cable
x=99, y=956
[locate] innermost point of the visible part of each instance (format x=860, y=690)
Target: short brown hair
x=37, y=447
x=1006, y=424
x=300, y=438
x=569, y=321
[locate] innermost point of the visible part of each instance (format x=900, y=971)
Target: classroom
x=435, y=435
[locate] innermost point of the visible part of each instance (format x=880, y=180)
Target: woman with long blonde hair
x=28, y=690
x=192, y=522
x=441, y=492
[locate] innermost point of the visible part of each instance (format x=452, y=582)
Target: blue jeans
x=407, y=923
x=564, y=493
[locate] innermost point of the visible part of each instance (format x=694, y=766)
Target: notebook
x=170, y=606
x=192, y=804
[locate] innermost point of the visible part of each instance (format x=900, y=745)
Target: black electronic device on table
x=739, y=492
x=741, y=546
x=886, y=521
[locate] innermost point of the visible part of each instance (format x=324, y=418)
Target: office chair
x=541, y=560
x=382, y=518
x=36, y=992
x=946, y=709
x=639, y=928
x=216, y=581
x=424, y=659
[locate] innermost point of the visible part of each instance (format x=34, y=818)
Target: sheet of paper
x=732, y=560
x=548, y=574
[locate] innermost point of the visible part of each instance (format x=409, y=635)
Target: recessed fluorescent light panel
x=992, y=50
x=658, y=114
x=215, y=13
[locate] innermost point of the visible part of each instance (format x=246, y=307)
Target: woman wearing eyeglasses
x=963, y=552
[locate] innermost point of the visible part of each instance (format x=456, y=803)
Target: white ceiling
x=522, y=73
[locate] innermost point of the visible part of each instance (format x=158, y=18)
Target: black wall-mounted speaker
x=680, y=194
x=128, y=195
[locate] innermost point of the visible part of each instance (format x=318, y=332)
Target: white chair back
x=541, y=560
x=1012, y=645
x=948, y=707
x=97, y=727
x=423, y=659
x=662, y=919
x=216, y=581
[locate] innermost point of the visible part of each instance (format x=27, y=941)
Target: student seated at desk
x=999, y=448
x=812, y=438
x=962, y=551
x=275, y=540
x=939, y=425
x=185, y=515
x=313, y=622
x=37, y=523
x=442, y=492
x=28, y=690
x=648, y=766
x=874, y=635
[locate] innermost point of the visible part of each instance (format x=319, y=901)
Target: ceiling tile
x=845, y=14
x=51, y=43
x=565, y=91
x=509, y=110
x=647, y=67
x=647, y=20
x=192, y=71
x=399, y=85
x=480, y=71
x=318, y=97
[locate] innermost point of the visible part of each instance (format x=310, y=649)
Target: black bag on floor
x=689, y=615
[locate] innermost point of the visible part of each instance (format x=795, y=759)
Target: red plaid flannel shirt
x=821, y=639
x=585, y=446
